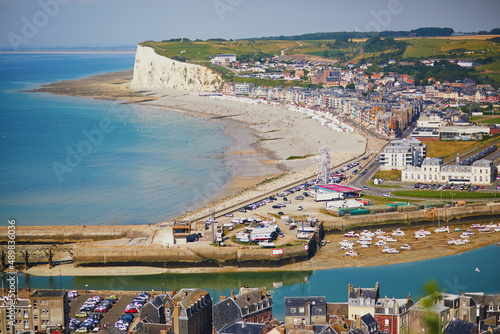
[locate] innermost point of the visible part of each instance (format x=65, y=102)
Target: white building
x=402, y=153
x=243, y=88
x=224, y=59
x=481, y=172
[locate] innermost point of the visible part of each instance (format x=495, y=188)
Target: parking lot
x=112, y=315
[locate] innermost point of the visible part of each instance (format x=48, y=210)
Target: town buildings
x=399, y=154
x=41, y=310
x=252, y=305
x=432, y=170
x=306, y=310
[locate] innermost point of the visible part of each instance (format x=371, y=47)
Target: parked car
x=366, y=188
x=387, y=195
x=81, y=314
x=300, y=208
x=281, y=213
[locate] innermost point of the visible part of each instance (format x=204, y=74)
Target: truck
x=328, y=196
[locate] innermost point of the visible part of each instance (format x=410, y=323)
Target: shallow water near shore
x=454, y=274
x=79, y=161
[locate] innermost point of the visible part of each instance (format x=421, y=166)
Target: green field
x=491, y=71
x=196, y=51
x=431, y=47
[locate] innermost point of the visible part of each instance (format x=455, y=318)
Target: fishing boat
x=451, y=242
x=398, y=233
x=442, y=229
x=419, y=235
x=351, y=253
x=389, y=239
x=266, y=244
x=405, y=247
x=381, y=243
x=351, y=234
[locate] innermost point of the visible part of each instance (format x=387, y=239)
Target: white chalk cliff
x=152, y=71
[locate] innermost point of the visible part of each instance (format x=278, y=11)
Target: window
x=293, y=310
x=386, y=322
x=34, y=304
x=26, y=324
x=35, y=316
x=301, y=310
x=26, y=313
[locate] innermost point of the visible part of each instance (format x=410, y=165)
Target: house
x=306, y=310
x=252, y=305
x=42, y=310
x=393, y=315
x=242, y=328
x=189, y=311
x=367, y=324
x=362, y=301
x=457, y=326
x=223, y=59
x=153, y=311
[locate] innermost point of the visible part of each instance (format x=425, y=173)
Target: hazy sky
x=53, y=23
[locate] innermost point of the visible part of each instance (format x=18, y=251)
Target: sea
x=79, y=161
x=477, y=270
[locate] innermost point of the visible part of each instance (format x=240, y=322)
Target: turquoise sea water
x=454, y=274
x=69, y=160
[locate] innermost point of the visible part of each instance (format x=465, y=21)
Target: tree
x=350, y=86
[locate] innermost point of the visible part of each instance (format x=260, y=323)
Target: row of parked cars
x=123, y=323
x=92, y=310
x=137, y=303
x=271, y=199
x=446, y=187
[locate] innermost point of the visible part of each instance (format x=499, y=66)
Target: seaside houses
x=393, y=315
x=40, y=311
x=362, y=301
x=250, y=305
x=189, y=311
x=306, y=311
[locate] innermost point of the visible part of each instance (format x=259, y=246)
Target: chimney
x=175, y=318
x=359, y=292
x=222, y=297
x=232, y=294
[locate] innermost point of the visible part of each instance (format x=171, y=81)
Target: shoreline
x=327, y=260
x=270, y=134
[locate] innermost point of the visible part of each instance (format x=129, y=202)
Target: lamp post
x=86, y=288
x=451, y=198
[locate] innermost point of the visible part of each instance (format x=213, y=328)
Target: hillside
x=482, y=49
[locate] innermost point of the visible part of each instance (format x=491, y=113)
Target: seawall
x=153, y=71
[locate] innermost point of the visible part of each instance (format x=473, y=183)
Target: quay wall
x=71, y=234
x=474, y=213
x=188, y=257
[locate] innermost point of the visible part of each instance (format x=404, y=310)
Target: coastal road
x=242, y=204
